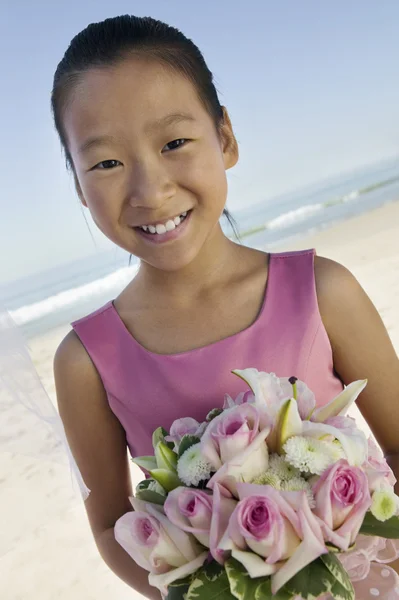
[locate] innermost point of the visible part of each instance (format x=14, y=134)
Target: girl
x=148, y=144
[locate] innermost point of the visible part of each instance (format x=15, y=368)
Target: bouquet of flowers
x=269, y=497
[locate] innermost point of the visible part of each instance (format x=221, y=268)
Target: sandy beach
x=48, y=552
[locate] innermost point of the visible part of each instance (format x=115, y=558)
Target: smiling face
x=160, y=163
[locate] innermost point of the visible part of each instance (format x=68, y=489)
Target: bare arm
x=98, y=443
x=362, y=349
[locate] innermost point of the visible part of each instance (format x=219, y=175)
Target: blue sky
x=312, y=89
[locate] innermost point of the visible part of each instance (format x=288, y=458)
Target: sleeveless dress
x=146, y=390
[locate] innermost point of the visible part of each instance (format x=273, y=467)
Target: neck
x=213, y=265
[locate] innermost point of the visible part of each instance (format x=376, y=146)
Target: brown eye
x=108, y=164
x=175, y=144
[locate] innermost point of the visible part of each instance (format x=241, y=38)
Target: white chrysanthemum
x=310, y=455
x=384, y=504
x=337, y=452
x=297, y=484
x=192, y=467
x=154, y=486
x=281, y=468
x=268, y=478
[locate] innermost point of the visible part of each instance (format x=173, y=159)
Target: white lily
x=341, y=403
x=266, y=387
x=267, y=391
x=288, y=424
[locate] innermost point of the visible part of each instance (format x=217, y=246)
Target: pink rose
x=273, y=533
x=157, y=545
x=244, y=466
x=258, y=524
x=342, y=499
x=242, y=398
x=191, y=511
x=200, y=513
x=229, y=434
x=223, y=507
x=181, y=427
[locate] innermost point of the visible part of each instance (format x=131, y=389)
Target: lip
x=154, y=238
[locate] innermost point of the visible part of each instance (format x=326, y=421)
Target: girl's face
x=147, y=155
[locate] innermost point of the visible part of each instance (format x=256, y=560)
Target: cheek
x=103, y=211
x=205, y=174
x=102, y=201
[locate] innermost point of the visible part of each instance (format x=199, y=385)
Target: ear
x=79, y=191
x=229, y=142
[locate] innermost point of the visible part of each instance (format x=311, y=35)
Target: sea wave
x=301, y=214
x=73, y=296
x=293, y=216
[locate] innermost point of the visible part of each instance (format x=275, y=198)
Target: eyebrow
x=99, y=140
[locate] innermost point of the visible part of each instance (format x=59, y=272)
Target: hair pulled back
x=105, y=44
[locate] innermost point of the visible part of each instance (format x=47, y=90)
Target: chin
x=171, y=261
x=169, y=266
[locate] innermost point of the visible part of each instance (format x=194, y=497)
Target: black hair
x=105, y=44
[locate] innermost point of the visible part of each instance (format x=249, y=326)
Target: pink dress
x=146, y=390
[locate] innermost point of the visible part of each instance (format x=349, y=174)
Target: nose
x=150, y=186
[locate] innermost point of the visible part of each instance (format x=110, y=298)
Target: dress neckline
x=217, y=343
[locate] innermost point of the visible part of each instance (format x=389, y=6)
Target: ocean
x=56, y=297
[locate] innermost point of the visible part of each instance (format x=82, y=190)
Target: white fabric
x=24, y=398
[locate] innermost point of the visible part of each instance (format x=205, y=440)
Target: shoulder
x=332, y=277
x=352, y=322
x=340, y=296
x=338, y=290
x=71, y=354
x=74, y=372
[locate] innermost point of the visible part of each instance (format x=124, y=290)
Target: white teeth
x=170, y=225
x=161, y=228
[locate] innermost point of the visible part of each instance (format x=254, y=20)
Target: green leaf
x=338, y=592
x=186, y=442
x=167, y=479
x=210, y=583
x=212, y=570
x=243, y=586
x=143, y=485
x=143, y=493
x=151, y=496
x=317, y=579
x=387, y=529
x=215, y=412
x=264, y=591
x=158, y=436
x=145, y=462
x=178, y=589
x=337, y=570
x=166, y=458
